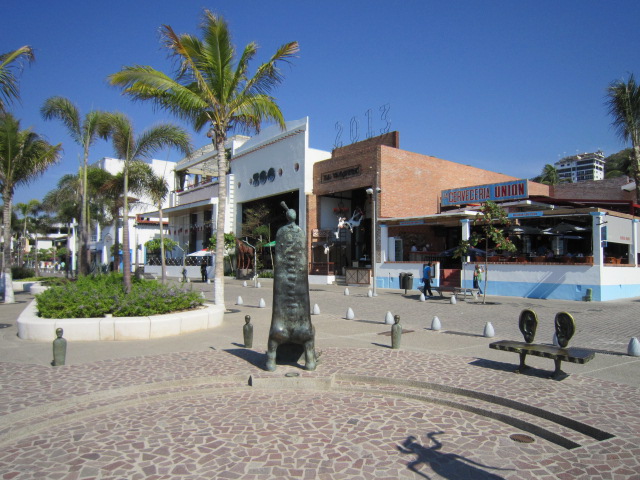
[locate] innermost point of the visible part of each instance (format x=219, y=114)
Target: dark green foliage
x=18, y=273
x=96, y=296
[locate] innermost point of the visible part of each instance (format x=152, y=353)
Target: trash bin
x=406, y=281
x=402, y=276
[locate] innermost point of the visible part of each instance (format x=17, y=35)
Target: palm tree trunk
x=218, y=286
x=163, y=267
x=635, y=151
x=126, y=255
x=37, y=263
x=84, y=256
x=8, y=280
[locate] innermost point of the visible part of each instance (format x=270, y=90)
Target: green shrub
x=18, y=273
x=266, y=274
x=96, y=296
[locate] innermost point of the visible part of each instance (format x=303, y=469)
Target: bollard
x=488, y=330
x=262, y=304
x=316, y=309
x=370, y=293
x=396, y=333
x=435, y=324
x=244, y=284
x=59, y=349
x=350, y=315
x=422, y=297
x=634, y=347
x=453, y=299
x=239, y=301
x=247, y=332
x=346, y=291
x=388, y=318
x=259, y=285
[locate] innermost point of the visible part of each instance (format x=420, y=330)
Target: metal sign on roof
x=495, y=192
x=525, y=214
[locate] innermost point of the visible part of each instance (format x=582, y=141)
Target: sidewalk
x=444, y=406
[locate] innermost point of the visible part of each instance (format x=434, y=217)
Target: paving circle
x=364, y=414
x=270, y=434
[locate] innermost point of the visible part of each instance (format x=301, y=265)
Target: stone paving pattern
x=444, y=406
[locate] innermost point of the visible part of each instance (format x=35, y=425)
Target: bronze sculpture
x=291, y=333
x=59, y=349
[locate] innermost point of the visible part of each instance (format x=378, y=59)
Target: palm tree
x=549, y=175
x=623, y=100
x=110, y=193
x=26, y=209
x=212, y=88
x=9, y=62
x=23, y=156
x=131, y=148
x=158, y=189
x=84, y=132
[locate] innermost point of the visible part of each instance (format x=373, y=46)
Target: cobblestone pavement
x=444, y=406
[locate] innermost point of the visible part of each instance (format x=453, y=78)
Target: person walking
x=426, y=278
x=477, y=278
x=203, y=271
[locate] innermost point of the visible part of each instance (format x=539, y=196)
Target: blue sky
x=499, y=84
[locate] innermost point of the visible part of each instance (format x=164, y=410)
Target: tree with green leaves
x=229, y=246
x=212, y=89
x=24, y=155
x=623, y=100
x=619, y=164
x=130, y=148
x=491, y=222
x=10, y=64
x=83, y=131
x=548, y=176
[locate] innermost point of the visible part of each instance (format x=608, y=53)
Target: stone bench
x=565, y=328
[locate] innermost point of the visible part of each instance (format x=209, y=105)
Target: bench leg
x=558, y=374
x=522, y=367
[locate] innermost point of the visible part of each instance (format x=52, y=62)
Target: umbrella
x=202, y=253
x=523, y=230
x=563, y=228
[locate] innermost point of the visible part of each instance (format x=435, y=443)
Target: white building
x=274, y=166
x=142, y=226
x=581, y=167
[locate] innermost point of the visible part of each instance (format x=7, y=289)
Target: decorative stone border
x=33, y=327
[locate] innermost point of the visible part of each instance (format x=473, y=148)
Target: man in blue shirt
x=426, y=278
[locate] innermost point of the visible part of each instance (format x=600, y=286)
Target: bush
x=18, y=273
x=96, y=296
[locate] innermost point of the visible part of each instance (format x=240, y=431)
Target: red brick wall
x=411, y=183
x=608, y=189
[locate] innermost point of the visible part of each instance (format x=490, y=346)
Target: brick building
x=410, y=184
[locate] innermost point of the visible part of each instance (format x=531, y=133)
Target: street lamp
x=374, y=226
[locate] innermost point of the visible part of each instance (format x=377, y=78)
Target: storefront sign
x=524, y=214
x=316, y=232
x=617, y=230
x=341, y=174
x=495, y=192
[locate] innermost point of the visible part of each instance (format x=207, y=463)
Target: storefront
x=568, y=253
